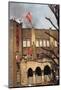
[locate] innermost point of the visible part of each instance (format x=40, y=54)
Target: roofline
x=31, y=28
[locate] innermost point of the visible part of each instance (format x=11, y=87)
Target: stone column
x=20, y=40
x=33, y=45
x=23, y=74
x=51, y=39
x=51, y=75
x=42, y=77
x=33, y=36
x=34, y=78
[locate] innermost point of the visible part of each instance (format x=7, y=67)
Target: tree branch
x=51, y=36
x=52, y=23
x=51, y=51
x=55, y=10
x=49, y=56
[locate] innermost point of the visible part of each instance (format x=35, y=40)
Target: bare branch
x=55, y=10
x=49, y=56
x=51, y=51
x=52, y=36
x=52, y=23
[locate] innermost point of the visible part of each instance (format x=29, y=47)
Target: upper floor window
x=28, y=43
x=44, y=43
x=24, y=43
x=55, y=43
x=48, y=43
x=37, y=43
x=41, y=43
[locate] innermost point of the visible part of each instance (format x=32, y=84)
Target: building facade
x=38, y=51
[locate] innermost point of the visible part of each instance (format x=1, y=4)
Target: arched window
x=47, y=70
x=38, y=71
x=30, y=72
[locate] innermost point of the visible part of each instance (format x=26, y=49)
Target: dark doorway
x=30, y=72
x=38, y=71
x=47, y=70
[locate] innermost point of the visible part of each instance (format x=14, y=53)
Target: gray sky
x=39, y=12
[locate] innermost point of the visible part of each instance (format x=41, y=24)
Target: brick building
x=37, y=61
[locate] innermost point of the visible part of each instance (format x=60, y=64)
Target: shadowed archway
x=38, y=71
x=30, y=76
x=47, y=73
x=30, y=72
x=38, y=75
x=47, y=70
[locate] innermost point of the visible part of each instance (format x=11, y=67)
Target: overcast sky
x=39, y=12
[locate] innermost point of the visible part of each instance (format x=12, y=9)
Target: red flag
x=29, y=16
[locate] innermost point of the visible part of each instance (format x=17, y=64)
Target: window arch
x=38, y=71
x=30, y=72
x=47, y=70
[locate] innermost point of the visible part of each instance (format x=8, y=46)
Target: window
x=28, y=43
x=24, y=43
x=48, y=44
x=55, y=43
x=37, y=43
x=44, y=43
x=40, y=43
